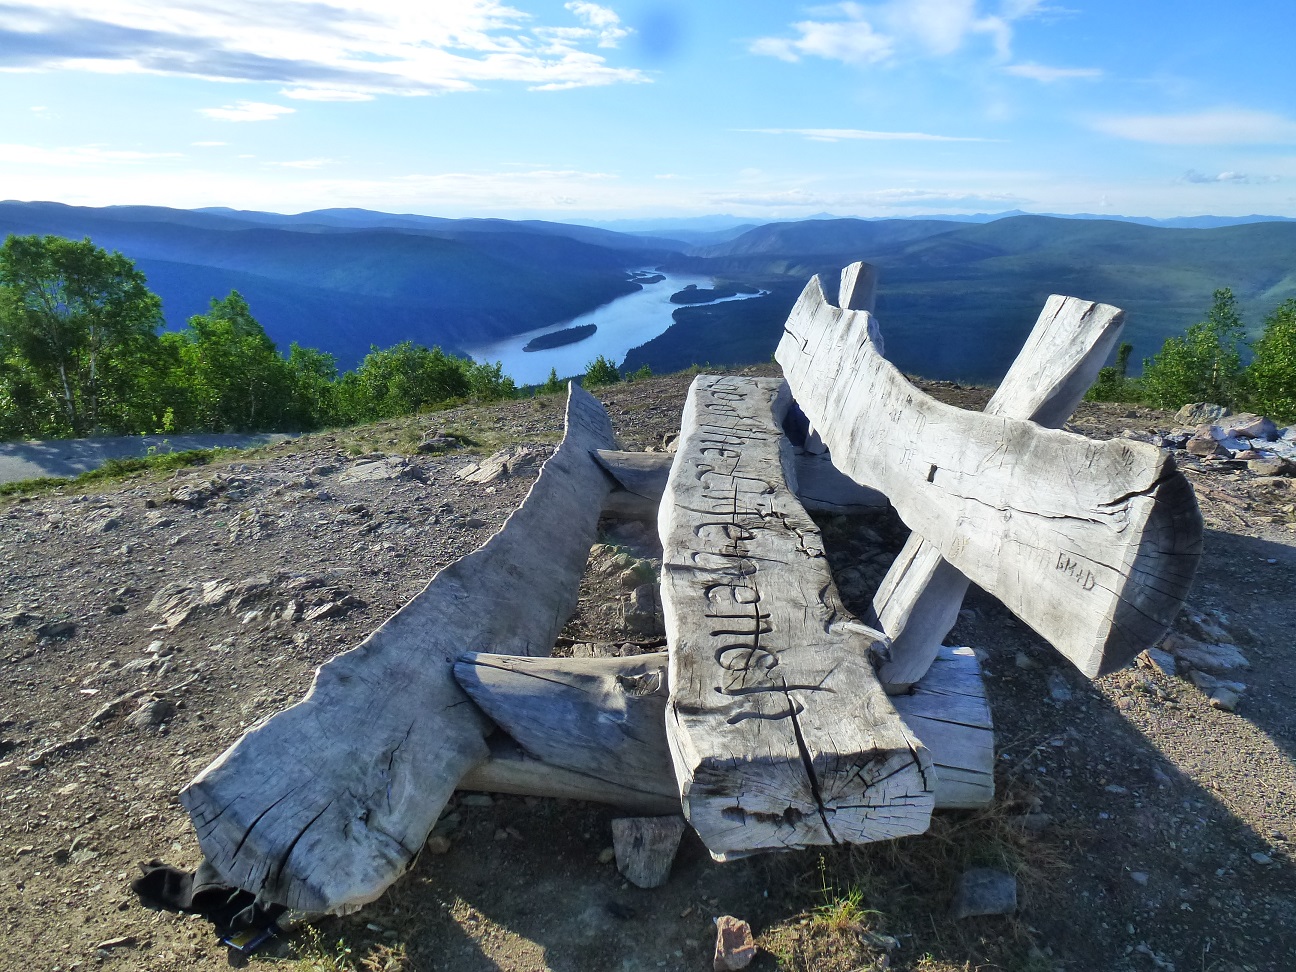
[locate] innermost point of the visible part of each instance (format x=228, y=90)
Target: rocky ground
x=1148, y=817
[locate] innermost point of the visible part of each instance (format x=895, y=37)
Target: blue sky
x=583, y=110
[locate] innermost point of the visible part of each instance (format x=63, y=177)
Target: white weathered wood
x=322, y=806
x=645, y=848
x=600, y=717
x=918, y=601
x=780, y=734
x=508, y=769
x=947, y=710
x=1093, y=544
x=641, y=478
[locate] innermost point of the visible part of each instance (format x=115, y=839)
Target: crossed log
x=1093, y=544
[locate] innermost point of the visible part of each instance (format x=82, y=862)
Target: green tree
x=1113, y=383
x=552, y=385
x=401, y=379
x=1205, y=365
x=488, y=383
x=313, y=375
x=600, y=371
x=233, y=377
x=1271, y=377
x=78, y=332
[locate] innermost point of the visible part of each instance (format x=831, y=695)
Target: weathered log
x=621, y=737
x=645, y=848
x=820, y=486
x=918, y=601
x=509, y=769
x=322, y=806
x=780, y=734
x=1093, y=544
x=600, y=717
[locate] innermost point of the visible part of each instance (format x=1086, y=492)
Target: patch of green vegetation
x=313, y=954
x=114, y=470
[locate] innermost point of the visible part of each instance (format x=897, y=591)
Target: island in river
x=692, y=294
x=556, y=339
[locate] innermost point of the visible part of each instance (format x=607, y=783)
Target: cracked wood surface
x=641, y=476
x=601, y=717
x=1093, y=544
x=779, y=732
x=601, y=725
x=918, y=601
x=323, y=805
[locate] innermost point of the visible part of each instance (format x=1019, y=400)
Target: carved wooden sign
x=779, y=731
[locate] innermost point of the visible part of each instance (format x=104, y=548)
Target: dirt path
x=38, y=459
x=1148, y=829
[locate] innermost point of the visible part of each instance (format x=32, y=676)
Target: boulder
x=1200, y=413
x=1249, y=425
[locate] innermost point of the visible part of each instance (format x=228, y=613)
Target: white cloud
x=304, y=163
x=326, y=94
x=837, y=134
x=247, y=111
x=334, y=48
x=934, y=200
x=1219, y=126
x=1192, y=175
x=208, y=144
x=1047, y=75
x=858, y=34
x=76, y=156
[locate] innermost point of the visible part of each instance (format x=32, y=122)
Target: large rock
x=984, y=891
x=1201, y=413
x=1249, y=425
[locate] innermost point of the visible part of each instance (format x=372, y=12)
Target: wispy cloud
x=879, y=200
x=76, y=155
x=247, y=111
x=304, y=163
x=1192, y=175
x=320, y=49
x=838, y=134
x=856, y=33
x=1221, y=126
x=208, y=144
x=1048, y=75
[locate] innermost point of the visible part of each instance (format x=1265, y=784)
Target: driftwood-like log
x=918, y=601
x=1093, y=544
x=818, y=484
x=780, y=734
x=322, y=806
x=600, y=717
x=621, y=737
x=509, y=769
x=645, y=848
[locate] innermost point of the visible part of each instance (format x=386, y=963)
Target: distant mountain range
x=957, y=297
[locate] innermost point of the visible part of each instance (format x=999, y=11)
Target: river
x=624, y=323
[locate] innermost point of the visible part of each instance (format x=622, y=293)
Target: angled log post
x=780, y=735
x=1093, y=544
x=918, y=601
x=595, y=729
x=323, y=805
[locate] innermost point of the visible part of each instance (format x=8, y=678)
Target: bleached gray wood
x=1093, y=544
x=323, y=805
x=626, y=745
x=819, y=485
x=645, y=848
x=508, y=769
x=601, y=717
x=949, y=712
x=780, y=734
x=918, y=601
